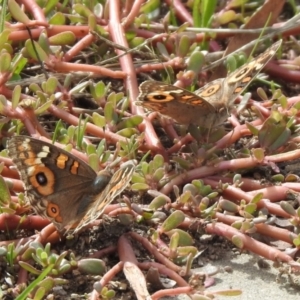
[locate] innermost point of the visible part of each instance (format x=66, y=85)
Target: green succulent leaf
x=159, y=174
x=109, y=112
x=94, y=161
x=40, y=293
x=130, y=122
x=158, y=202
x=5, y=62
x=57, y=19
x=196, y=61
x=43, y=107
x=82, y=10
x=236, y=240
x=98, y=90
x=250, y=208
x=184, y=239
x=29, y=268
x=50, y=4
x=98, y=120
x=51, y=85
x=4, y=37
x=184, y=45
x=257, y=198
x=259, y=154
x=158, y=161
x=173, y=221
x=137, y=178
x=64, y=269
x=140, y=187
x=5, y=197
x=92, y=266
x=63, y=38
x=273, y=134
x=128, y=132
x=227, y=17
x=31, y=52
x=254, y=130
x=17, y=13
x=288, y=208
x=228, y=206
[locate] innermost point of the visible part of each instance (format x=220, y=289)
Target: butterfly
x=63, y=188
x=208, y=106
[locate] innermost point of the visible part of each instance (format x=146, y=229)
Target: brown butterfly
x=208, y=106
x=60, y=186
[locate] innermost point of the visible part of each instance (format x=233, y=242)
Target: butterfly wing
x=117, y=183
x=220, y=95
x=176, y=103
x=54, y=179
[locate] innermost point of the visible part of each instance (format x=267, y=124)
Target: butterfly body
x=60, y=186
x=208, y=106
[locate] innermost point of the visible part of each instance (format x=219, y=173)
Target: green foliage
x=80, y=91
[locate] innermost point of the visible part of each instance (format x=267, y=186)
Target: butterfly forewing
x=54, y=179
x=173, y=102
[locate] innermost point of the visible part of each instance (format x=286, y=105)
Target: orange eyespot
x=53, y=212
x=160, y=97
x=210, y=90
x=42, y=178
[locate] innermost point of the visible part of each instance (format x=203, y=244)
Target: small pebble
x=228, y=269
